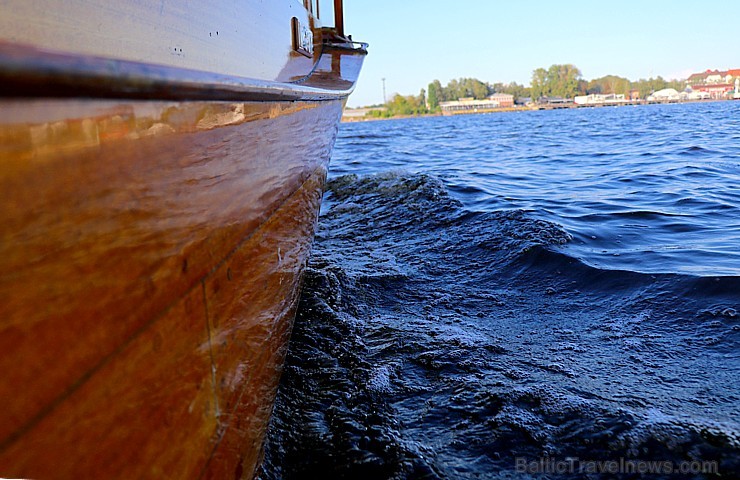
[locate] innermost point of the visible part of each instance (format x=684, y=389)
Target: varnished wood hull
x=150, y=261
x=148, y=284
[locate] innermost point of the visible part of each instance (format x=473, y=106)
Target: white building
x=601, y=99
x=468, y=105
x=665, y=95
x=694, y=95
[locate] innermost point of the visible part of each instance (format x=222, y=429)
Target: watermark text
x=572, y=465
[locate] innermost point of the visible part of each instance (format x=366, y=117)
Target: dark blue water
x=644, y=189
x=522, y=296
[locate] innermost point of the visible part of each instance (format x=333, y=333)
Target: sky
x=414, y=42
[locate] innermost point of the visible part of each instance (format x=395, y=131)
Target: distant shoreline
x=366, y=118
x=346, y=119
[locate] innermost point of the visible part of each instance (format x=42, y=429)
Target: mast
x=339, y=17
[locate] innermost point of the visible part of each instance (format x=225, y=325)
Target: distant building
x=601, y=99
x=666, y=95
x=716, y=91
x=504, y=99
x=695, y=78
x=694, y=95
x=554, y=101
x=707, y=77
x=717, y=84
x=468, y=105
x=715, y=77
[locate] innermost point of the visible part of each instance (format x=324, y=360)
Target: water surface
x=532, y=287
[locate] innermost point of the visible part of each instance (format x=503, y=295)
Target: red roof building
x=715, y=82
x=717, y=91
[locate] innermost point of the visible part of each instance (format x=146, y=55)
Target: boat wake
x=436, y=342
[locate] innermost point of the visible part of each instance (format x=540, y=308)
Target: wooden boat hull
x=149, y=281
x=151, y=252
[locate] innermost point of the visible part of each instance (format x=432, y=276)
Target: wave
x=365, y=136
x=436, y=342
x=696, y=150
x=630, y=215
x=349, y=405
x=584, y=276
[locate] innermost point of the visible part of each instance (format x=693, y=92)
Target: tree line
x=471, y=87
x=564, y=81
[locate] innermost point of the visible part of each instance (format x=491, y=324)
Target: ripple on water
x=436, y=342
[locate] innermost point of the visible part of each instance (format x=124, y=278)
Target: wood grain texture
x=149, y=412
x=249, y=336
x=200, y=379
x=114, y=214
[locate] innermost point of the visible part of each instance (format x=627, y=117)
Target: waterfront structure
x=717, y=91
x=694, y=95
x=710, y=77
x=601, y=99
x=669, y=95
x=505, y=100
x=554, y=103
x=717, y=84
x=468, y=105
